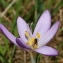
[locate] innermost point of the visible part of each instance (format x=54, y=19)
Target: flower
x=37, y=41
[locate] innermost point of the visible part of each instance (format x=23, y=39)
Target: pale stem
x=31, y=57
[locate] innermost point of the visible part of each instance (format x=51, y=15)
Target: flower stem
x=31, y=57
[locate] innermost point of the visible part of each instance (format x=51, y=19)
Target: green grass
x=20, y=8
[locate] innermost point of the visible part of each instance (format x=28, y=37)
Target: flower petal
x=49, y=35
x=22, y=27
x=21, y=43
x=46, y=50
x=8, y=34
x=44, y=23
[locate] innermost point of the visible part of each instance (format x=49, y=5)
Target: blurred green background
x=30, y=11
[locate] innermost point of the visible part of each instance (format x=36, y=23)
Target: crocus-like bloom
x=37, y=41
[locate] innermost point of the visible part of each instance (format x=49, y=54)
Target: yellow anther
x=27, y=34
x=32, y=42
x=38, y=35
x=35, y=46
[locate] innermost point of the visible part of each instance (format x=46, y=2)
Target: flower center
x=32, y=42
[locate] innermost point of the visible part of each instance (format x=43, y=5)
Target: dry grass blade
x=3, y=13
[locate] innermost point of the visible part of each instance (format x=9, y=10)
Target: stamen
x=32, y=42
x=38, y=35
x=27, y=34
x=35, y=46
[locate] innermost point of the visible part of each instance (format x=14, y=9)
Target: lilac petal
x=44, y=23
x=49, y=35
x=46, y=50
x=10, y=36
x=22, y=27
x=21, y=43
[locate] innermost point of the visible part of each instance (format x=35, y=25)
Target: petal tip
x=0, y=24
x=19, y=18
x=55, y=52
x=47, y=14
x=47, y=11
x=58, y=22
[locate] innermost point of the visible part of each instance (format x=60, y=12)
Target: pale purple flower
x=37, y=41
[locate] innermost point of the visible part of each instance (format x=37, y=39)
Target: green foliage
x=28, y=13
